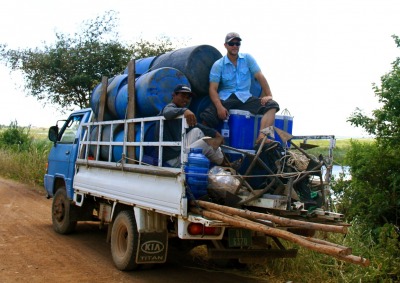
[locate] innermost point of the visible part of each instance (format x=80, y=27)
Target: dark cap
x=183, y=88
x=232, y=35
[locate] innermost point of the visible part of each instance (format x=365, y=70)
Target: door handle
x=67, y=152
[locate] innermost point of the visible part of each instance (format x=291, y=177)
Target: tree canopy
x=385, y=123
x=373, y=194
x=64, y=73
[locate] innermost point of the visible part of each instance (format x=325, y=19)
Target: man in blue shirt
x=230, y=81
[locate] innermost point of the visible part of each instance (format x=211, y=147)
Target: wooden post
x=103, y=96
x=130, y=112
x=101, y=110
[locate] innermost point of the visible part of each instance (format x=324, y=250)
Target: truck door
x=61, y=160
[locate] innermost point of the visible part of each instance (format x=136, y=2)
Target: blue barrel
x=153, y=91
x=149, y=135
x=142, y=66
x=112, y=92
x=105, y=137
x=196, y=171
x=118, y=150
x=194, y=62
x=95, y=102
x=199, y=104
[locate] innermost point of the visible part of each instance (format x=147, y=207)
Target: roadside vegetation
x=23, y=154
x=370, y=199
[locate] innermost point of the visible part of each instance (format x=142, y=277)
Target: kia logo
x=152, y=247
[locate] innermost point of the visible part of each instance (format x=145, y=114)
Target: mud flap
x=153, y=247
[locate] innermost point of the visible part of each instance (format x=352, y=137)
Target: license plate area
x=239, y=238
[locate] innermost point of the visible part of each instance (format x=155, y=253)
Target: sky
x=320, y=57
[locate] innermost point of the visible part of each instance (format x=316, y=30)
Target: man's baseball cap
x=232, y=35
x=183, y=88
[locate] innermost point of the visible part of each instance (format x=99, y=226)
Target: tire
x=61, y=213
x=124, y=241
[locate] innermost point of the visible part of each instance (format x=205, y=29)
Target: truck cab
x=62, y=157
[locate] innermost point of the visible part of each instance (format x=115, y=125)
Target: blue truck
x=93, y=176
x=110, y=170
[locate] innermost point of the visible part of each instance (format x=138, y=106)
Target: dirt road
x=30, y=251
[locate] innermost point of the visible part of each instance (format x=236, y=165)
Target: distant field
x=339, y=150
x=39, y=133
x=35, y=132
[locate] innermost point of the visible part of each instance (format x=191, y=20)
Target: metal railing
x=101, y=142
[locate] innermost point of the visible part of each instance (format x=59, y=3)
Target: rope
x=298, y=161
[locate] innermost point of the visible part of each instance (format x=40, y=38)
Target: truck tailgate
x=164, y=194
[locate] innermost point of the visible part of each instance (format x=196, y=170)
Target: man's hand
x=265, y=99
x=190, y=118
x=222, y=112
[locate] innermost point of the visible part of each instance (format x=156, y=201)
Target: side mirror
x=53, y=133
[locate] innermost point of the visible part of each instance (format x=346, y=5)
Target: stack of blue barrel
x=155, y=79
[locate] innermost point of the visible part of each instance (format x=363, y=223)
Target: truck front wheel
x=124, y=241
x=61, y=213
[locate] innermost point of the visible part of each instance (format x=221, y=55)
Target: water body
x=337, y=169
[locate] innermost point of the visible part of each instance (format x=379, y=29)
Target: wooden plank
x=103, y=96
x=101, y=111
x=130, y=112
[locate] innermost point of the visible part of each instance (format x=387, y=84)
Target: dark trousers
x=210, y=115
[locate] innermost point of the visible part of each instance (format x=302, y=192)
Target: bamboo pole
x=276, y=219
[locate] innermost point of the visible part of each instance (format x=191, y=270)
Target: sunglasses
x=234, y=43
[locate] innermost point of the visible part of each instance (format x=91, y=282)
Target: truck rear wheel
x=124, y=241
x=61, y=213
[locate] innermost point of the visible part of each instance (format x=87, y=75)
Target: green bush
x=15, y=137
x=373, y=193
x=23, y=158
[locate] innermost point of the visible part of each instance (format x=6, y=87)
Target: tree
x=373, y=194
x=385, y=123
x=66, y=72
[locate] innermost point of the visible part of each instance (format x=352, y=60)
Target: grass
x=27, y=166
x=310, y=266
x=39, y=133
